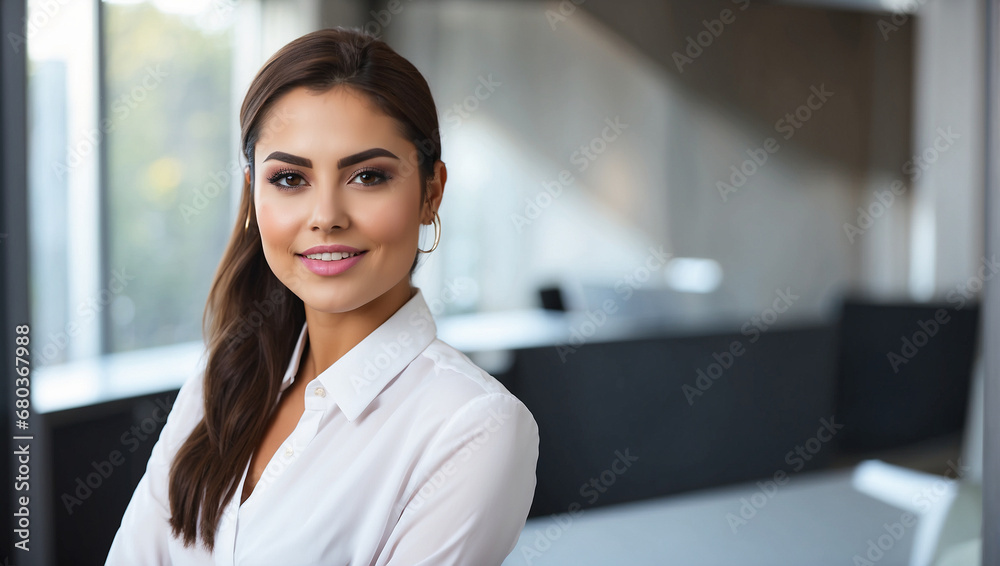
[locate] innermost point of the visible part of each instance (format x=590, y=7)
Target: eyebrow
x=343, y=162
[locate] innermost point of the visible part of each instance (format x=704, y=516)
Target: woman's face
x=331, y=170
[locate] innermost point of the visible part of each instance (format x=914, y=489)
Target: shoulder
x=472, y=422
x=453, y=378
x=465, y=396
x=186, y=410
x=190, y=397
x=453, y=365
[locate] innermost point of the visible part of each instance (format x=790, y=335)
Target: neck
x=331, y=335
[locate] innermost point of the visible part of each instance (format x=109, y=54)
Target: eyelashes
x=379, y=174
x=289, y=179
x=283, y=175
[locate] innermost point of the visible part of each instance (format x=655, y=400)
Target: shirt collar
x=362, y=373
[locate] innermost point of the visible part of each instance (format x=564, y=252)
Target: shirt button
x=289, y=451
x=320, y=392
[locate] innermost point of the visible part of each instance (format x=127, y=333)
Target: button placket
x=280, y=462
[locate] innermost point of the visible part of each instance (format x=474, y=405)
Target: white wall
x=948, y=212
x=654, y=186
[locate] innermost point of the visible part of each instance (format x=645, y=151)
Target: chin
x=333, y=305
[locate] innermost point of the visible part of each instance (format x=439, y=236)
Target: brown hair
x=251, y=319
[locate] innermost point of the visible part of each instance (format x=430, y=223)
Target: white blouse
x=407, y=453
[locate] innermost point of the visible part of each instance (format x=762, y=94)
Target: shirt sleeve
x=142, y=538
x=474, y=499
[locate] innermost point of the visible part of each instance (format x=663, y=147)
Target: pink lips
x=334, y=267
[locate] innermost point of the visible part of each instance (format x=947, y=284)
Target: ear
x=246, y=174
x=435, y=191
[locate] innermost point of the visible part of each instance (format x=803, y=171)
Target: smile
x=331, y=263
x=333, y=256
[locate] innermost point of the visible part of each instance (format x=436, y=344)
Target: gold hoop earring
x=437, y=234
x=246, y=224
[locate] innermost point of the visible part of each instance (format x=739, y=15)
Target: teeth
x=332, y=256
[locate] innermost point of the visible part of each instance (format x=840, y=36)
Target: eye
x=286, y=179
x=371, y=176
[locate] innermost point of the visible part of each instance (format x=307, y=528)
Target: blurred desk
x=816, y=518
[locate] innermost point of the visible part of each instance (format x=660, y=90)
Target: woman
x=331, y=426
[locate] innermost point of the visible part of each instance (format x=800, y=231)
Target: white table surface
x=816, y=518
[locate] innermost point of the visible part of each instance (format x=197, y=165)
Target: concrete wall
x=702, y=87
x=690, y=121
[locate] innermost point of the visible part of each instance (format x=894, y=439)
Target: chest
x=345, y=482
x=283, y=421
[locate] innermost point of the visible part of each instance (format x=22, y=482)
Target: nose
x=329, y=210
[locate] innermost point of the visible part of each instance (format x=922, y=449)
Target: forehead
x=338, y=119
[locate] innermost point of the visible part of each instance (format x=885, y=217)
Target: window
x=169, y=163
x=132, y=162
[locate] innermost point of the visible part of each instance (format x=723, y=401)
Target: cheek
x=391, y=223
x=277, y=223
